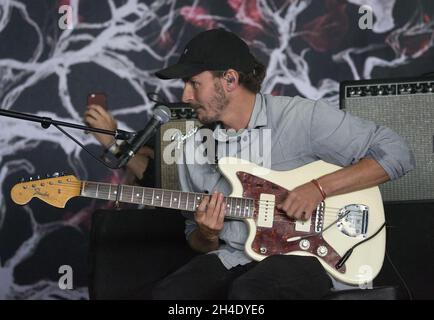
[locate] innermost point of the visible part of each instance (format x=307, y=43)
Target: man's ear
x=231, y=78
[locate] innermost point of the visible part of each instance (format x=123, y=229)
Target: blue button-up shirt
x=302, y=131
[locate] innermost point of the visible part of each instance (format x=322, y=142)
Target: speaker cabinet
x=183, y=121
x=407, y=107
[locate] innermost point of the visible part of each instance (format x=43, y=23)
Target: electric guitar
x=344, y=232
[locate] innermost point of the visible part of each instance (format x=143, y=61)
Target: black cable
x=410, y=295
x=350, y=251
x=84, y=148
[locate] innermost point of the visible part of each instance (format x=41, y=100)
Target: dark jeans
x=276, y=277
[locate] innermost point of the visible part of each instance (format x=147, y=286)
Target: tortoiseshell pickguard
x=274, y=240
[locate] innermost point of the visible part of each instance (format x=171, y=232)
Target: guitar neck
x=238, y=208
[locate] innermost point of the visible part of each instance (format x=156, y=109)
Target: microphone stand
x=46, y=122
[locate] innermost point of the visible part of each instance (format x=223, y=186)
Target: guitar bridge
x=319, y=217
x=353, y=220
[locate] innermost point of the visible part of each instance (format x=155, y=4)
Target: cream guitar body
x=366, y=216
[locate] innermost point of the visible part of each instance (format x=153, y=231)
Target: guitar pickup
x=267, y=203
x=303, y=226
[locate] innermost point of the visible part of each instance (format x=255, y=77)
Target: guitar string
x=102, y=192
x=262, y=203
x=79, y=184
x=326, y=219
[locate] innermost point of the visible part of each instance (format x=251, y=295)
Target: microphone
x=129, y=149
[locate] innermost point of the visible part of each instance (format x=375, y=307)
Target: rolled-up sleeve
x=341, y=138
x=190, y=226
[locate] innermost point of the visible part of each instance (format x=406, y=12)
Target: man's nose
x=187, y=94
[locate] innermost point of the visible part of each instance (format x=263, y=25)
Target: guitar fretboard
x=188, y=201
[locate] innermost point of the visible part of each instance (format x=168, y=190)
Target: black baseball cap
x=212, y=50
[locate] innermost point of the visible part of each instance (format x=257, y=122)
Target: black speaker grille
x=408, y=109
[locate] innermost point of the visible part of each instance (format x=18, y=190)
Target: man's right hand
x=210, y=216
x=97, y=117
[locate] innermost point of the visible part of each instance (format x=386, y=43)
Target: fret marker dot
x=238, y=207
x=175, y=199
x=158, y=197
x=228, y=205
x=138, y=195
x=115, y=192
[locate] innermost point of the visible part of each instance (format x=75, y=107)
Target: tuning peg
x=31, y=179
x=62, y=173
x=22, y=180
x=38, y=178
x=47, y=175
x=55, y=174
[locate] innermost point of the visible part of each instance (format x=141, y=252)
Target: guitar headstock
x=55, y=191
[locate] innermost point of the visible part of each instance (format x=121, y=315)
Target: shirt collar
x=259, y=113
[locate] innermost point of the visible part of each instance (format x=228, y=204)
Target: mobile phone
x=97, y=98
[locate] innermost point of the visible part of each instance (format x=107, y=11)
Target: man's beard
x=219, y=102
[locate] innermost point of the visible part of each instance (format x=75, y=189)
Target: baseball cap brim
x=180, y=71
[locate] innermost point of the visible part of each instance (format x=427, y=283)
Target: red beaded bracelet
x=316, y=183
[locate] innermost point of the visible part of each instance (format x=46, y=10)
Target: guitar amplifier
x=182, y=121
x=407, y=107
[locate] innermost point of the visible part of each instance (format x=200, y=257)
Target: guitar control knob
x=304, y=244
x=322, y=251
